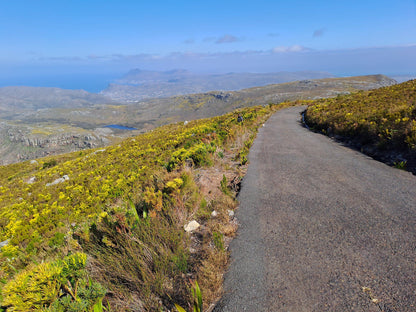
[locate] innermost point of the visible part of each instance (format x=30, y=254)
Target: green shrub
x=49, y=164
x=400, y=165
x=224, y=185
x=57, y=240
x=59, y=285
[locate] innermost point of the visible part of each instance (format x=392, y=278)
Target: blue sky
x=110, y=37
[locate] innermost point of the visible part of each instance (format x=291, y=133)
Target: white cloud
x=293, y=48
x=227, y=39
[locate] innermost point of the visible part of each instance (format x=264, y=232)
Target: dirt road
x=322, y=228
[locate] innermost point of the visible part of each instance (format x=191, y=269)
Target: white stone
x=99, y=151
x=33, y=162
x=214, y=214
x=191, y=226
x=231, y=213
x=4, y=243
x=31, y=180
x=185, y=122
x=59, y=180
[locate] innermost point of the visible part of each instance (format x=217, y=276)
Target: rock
x=33, y=162
x=191, y=226
x=59, y=180
x=31, y=180
x=231, y=213
x=4, y=243
x=329, y=131
x=99, y=151
x=189, y=163
x=214, y=214
x=185, y=122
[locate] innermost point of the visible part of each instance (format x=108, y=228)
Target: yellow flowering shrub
x=45, y=284
x=385, y=117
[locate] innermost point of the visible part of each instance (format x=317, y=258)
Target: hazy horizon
x=97, y=82
x=87, y=44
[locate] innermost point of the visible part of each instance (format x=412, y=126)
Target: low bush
x=61, y=285
x=385, y=118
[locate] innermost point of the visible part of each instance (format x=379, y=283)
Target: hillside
x=14, y=100
x=106, y=226
x=139, y=84
x=216, y=102
x=48, y=131
x=381, y=123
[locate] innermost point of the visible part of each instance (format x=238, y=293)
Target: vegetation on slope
x=107, y=226
x=72, y=129
x=380, y=122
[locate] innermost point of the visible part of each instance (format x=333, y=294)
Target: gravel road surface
x=322, y=228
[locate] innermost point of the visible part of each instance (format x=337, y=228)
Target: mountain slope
x=110, y=221
x=380, y=122
x=213, y=103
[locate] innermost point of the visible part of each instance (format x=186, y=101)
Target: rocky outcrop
x=23, y=143
x=51, y=141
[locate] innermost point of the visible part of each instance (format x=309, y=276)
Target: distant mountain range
x=35, y=122
x=139, y=84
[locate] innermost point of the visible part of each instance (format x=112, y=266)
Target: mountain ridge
x=140, y=84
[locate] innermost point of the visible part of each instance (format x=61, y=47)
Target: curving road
x=322, y=228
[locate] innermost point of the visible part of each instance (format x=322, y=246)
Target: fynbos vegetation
x=380, y=122
x=105, y=228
